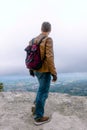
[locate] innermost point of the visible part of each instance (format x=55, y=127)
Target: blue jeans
x=42, y=93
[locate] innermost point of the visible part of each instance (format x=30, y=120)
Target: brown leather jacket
x=46, y=50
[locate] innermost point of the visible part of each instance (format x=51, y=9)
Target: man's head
x=46, y=27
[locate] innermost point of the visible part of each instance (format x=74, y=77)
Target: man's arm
x=50, y=58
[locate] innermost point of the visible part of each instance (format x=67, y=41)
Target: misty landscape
x=69, y=34
x=70, y=83
x=20, y=21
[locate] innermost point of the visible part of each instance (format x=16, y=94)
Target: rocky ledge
x=68, y=112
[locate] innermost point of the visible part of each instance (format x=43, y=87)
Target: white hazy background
x=20, y=21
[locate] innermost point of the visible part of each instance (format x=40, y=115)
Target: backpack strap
x=39, y=41
x=33, y=41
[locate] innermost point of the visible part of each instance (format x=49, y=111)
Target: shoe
x=41, y=120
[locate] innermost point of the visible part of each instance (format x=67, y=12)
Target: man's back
x=46, y=51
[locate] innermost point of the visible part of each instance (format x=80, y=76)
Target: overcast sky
x=20, y=20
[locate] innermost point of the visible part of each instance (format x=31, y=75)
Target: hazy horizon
x=20, y=21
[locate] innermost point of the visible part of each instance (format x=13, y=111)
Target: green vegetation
x=1, y=87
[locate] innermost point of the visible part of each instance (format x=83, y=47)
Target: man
x=44, y=73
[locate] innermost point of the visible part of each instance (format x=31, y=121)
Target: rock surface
x=68, y=112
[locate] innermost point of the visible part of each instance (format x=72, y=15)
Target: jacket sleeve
x=50, y=56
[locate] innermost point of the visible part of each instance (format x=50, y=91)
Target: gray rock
x=68, y=112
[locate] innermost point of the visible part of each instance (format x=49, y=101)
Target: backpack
x=33, y=57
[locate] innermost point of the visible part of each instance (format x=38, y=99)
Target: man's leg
x=42, y=94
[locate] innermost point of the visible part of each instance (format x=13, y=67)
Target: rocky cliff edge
x=68, y=112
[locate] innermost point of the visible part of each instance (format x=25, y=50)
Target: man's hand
x=54, y=78
x=31, y=73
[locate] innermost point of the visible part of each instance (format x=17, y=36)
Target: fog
x=20, y=21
